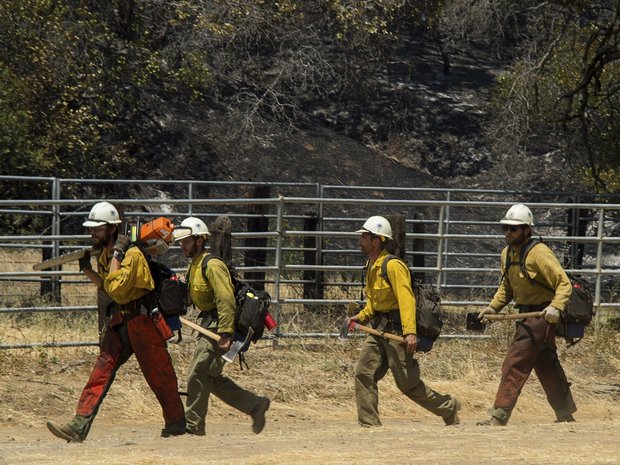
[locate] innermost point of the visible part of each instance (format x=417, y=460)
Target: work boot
x=491, y=422
x=175, y=429
x=569, y=418
x=454, y=419
x=258, y=415
x=195, y=432
x=65, y=432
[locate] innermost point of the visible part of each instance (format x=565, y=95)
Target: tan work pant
x=205, y=377
x=533, y=347
x=376, y=357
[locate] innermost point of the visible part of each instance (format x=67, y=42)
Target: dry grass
x=306, y=378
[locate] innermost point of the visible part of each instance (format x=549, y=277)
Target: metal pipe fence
x=461, y=242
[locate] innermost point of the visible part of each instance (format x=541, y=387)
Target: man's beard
x=192, y=252
x=101, y=243
x=517, y=241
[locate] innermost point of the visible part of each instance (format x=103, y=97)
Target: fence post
x=221, y=238
x=397, y=246
x=51, y=289
x=418, y=245
x=446, y=244
x=577, y=226
x=278, y=265
x=440, y=233
x=314, y=289
x=599, y=263
x=256, y=255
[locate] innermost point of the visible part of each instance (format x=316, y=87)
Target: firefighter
x=123, y=273
x=533, y=346
x=391, y=308
x=213, y=295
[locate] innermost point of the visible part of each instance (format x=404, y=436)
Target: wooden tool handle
x=200, y=329
x=373, y=331
x=512, y=316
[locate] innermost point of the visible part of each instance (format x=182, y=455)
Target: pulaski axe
x=346, y=326
x=352, y=310
x=512, y=316
x=473, y=323
x=235, y=347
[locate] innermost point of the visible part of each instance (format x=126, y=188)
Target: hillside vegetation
x=454, y=91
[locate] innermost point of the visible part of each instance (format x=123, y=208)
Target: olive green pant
x=376, y=357
x=205, y=377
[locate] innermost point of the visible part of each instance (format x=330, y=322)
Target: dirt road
x=338, y=441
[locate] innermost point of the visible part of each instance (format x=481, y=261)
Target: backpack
x=580, y=308
x=428, y=308
x=251, y=306
x=170, y=296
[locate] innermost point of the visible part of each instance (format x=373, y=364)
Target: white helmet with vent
x=377, y=225
x=102, y=213
x=518, y=214
x=190, y=226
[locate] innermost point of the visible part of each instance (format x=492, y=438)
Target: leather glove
x=486, y=311
x=84, y=262
x=551, y=314
x=122, y=243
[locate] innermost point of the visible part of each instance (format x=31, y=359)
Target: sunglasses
x=510, y=228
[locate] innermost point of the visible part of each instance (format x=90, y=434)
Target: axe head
x=473, y=323
x=352, y=309
x=240, y=344
x=344, y=329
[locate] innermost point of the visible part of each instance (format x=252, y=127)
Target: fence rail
x=310, y=257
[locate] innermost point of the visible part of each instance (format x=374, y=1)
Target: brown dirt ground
x=312, y=419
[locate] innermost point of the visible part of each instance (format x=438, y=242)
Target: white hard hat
x=377, y=225
x=102, y=213
x=518, y=214
x=190, y=226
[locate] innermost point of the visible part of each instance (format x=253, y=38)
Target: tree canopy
x=95, y=89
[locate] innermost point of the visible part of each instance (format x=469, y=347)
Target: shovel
x=235, y=347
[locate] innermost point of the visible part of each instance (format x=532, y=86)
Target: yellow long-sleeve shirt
x=214, y=293
x=382, y=298
x=544, y=268
x=132, y=281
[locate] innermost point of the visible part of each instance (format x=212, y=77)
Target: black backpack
x=580, y=308
x=170, y=296
x=251, y=305
x=428, y=308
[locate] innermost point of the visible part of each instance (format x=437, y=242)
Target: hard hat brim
x=360, y=231
x=93, y=224
x=181, y=232
x=515, y=222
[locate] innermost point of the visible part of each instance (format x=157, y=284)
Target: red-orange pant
x=123, y=338
x=533, y=347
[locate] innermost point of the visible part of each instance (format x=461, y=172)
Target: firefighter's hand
x=84, y=262
x=225, y=342
x=411, y=341
x=121, y=244
x=486, y=311
x=551, y=314
x=352, y=319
